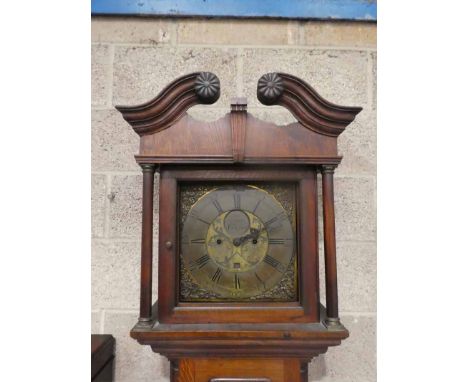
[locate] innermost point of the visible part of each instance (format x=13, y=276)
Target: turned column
x=147, y=244
x=330, y=246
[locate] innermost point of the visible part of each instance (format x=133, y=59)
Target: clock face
x=237, y=242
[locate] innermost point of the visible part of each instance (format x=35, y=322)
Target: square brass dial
x=237, y=242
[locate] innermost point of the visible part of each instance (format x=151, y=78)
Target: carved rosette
x=269, y=88
x=207, y=87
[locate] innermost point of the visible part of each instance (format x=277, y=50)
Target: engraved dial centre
x=237, y=241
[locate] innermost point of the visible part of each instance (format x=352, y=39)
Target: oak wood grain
x=239, y=370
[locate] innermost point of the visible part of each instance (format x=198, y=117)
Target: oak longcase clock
x=238, y=281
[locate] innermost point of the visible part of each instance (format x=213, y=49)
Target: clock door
x=245, y=241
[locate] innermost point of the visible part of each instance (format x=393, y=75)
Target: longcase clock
x=238, y=283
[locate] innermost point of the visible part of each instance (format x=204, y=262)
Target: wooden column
x=174, y=370
x=330, y=246
x=304, y=371
x=147, y=244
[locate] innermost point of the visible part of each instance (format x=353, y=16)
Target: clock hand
x=254, y=234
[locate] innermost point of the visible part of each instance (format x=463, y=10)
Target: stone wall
x=132, y=60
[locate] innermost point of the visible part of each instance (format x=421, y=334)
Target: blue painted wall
x=291, y=9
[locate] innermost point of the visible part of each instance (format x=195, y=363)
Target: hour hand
x=254, y=233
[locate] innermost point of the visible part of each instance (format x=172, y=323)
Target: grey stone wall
x=132, y=60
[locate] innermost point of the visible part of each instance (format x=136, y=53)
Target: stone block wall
x=132, y=60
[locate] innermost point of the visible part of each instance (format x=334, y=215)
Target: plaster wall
x=132, y=60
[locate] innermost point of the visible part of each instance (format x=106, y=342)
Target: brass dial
x=237, y=241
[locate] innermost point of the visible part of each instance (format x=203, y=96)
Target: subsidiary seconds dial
x=237, y=241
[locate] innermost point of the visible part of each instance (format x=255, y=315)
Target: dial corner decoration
x=238, y=243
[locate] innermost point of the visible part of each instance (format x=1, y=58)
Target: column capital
x=328, y=168
x=148, y=167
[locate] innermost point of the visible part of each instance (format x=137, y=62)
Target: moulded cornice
x=172, y=102
x=311, y=110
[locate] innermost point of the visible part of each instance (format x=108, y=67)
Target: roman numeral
x=237, y=201
x=260, y=280
x=196, y=216
x=281, y=216
x=271, y=261
x=197, y=241
x=217, y=275
x=258, y=203
x=236, y=281
x=217, y=206
x=200, y=262
x=275, y=241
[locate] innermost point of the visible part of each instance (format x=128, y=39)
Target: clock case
x=238, y=148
